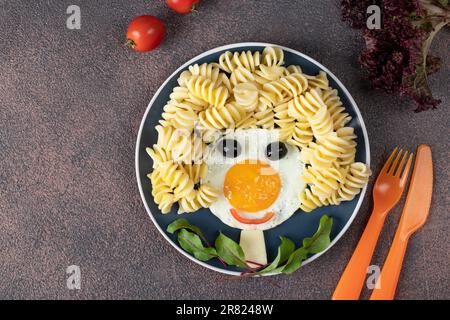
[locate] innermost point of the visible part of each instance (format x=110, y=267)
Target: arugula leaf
x=321, y=239
x=295, y=261
x=192, y=243
x=285, y=249
x=315, y=244
x=229, y=251
x=183, y=224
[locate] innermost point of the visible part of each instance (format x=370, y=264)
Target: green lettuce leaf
x=183, y=224
x=192, y=243
x=229, y=251
x=285, y=249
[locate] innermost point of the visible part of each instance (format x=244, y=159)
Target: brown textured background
x=71, y=104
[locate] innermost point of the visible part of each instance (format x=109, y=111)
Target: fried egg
x=258, y=185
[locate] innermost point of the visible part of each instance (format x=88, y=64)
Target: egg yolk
x=251, y=186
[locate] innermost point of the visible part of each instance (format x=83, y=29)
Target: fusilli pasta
x=221, y=118
x=354, y=181
x=246, y=95
x=161, y=192
x=203, y=198
x=229, y=61
x=246, y=90
x=273, y=56
x=208, y=90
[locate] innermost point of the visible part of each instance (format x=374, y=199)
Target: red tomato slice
x=267, y=217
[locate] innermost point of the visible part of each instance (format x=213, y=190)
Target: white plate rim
x=230, y=47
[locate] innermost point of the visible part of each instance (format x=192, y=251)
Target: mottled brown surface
x=71, y=104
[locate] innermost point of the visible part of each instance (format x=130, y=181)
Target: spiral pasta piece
x=158, y=155
x=188, y=205
x=265, y=119
x=228, y=61
x=221, y=118
x=285, y=124
x=196, y=171
x=263, y=104
x=209, y=135
x=268, y=74
x=225, y=81
x=295, y=108
x=184, y=78
x=273, y=56
x=168, y=137
x=161, y=192
x=286, y=87
x=347, y=134
x=335, y=144
x=282, y=111
x=204, y=197
x=241, y=75
x=207, y=70
x=181, y=115
x=321, y=123
x=247, y=122
x=306, y=105
x=177, y=179
x=246, y=95
x=286, y=128
x=323, y=183
x=292, y=69
x=179, y=94
x=302, y=134
x=318, y=156
x=182, y=94
x=334, y=199
x=206, y=89
x=207, y=195
x=309, y=202
x=189, y=148
x=355, y=180
x=319, y=81
x=336, y=109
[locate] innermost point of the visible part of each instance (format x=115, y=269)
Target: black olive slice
x=276, y=151
x=230, y=148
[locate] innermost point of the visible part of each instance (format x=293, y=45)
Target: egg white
x=253, y=144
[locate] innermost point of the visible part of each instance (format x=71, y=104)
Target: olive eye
x=276, y=151
x=230, y=148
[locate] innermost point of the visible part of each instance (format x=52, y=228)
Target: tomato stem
x=130, y=44
x=194, y=10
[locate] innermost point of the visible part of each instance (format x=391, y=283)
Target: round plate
x=301, y=224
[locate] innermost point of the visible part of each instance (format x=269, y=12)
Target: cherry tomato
x=145, y=33
x=183, y=6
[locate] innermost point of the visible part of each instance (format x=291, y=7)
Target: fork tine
x=389, y=161
x=399, y=169
x=406, y=171
x=394, y=164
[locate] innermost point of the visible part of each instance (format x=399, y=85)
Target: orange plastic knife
x=414, y=216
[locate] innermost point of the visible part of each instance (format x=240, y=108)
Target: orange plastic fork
x=414, y=215
x=387, y=191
